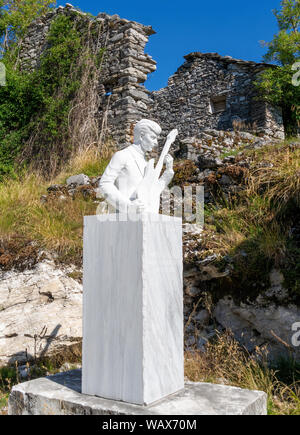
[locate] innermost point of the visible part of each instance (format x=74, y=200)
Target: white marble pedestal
x=132, y=308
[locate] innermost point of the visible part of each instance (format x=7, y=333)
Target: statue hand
x=172, y=136
x=138, y=206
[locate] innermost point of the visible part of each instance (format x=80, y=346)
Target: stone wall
x=207, y=92
x=213, y=92
x=124, y=68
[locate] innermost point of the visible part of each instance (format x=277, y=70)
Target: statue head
x=146, y=134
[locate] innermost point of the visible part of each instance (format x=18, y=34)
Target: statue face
x=148, y=140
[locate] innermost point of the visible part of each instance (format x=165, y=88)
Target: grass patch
x=234, y=152
x=55, y=225
x=89, y=162
x=9, y=376
x=3, y=403
x=226, y=362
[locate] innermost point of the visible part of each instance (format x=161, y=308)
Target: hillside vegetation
x=258, y=229
x=48, y=112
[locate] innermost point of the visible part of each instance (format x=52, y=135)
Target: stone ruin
x=216, y=92
x=208, y=93
x=123, y=98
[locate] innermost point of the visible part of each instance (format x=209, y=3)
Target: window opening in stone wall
x=218, y=104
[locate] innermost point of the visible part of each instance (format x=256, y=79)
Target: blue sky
x=232, y=27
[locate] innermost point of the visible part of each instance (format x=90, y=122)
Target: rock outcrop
x=40, y=313
x=267, y=321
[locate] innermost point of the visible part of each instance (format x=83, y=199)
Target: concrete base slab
x=61, y=395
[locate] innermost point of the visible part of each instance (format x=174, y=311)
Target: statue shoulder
x=122, y=155
x=126, y=151
x=118, y=155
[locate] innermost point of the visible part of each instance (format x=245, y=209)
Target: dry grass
x=279, y=179
x=90, y=161
x=254, y=232
x=268, y=239
x=57, y=224
x=226, y=362
x=10, y=376
x=239, y=125
x=3, y=403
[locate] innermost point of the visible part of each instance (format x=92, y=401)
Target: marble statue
x=130, y=182
x=132, y=281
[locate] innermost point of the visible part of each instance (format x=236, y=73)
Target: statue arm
x=108, y=187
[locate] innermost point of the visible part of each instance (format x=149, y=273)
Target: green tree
x=285, y=47
x=276, y=84
x=16, y=16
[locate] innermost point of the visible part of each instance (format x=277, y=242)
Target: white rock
x=196, y=229
x=255, y=325
x=43, y=303
x=79, y=180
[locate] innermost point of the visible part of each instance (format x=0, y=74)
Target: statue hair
x=143, y=126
